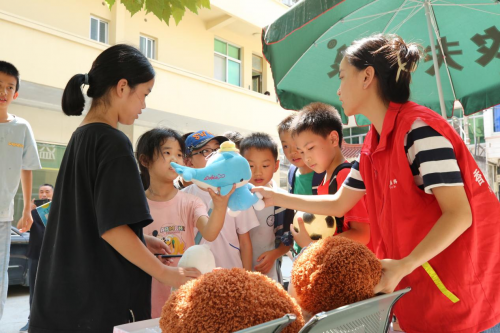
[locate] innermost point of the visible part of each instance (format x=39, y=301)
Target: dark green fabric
x=304, y=46
x=303, y=183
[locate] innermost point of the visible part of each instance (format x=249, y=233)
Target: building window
x=496, y=118
x=98, y=30
x=227, y=62
x=355, y=134
x=256, y=73
x=148, y=47
x=475, y=127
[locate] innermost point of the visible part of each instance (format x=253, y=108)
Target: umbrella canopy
x=304, y=48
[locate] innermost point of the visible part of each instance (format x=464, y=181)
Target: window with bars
x=227, y=62
x=475, y=126
x=289, y=3
x=98, y=30
x=355, y=134
x=256, y=73
x=147, y=46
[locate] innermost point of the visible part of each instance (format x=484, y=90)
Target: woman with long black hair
x=96, y=265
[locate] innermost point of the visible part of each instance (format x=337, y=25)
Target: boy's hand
x=302, y=237
x=220, y=200
x=266, y=261
x=177, y=276
x=24, y=224
x=267, y=194
x=393, y=271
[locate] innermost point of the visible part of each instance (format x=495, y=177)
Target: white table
x=145, y=326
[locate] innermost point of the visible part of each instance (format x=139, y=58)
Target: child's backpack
x=317, y=179
x=332, y=187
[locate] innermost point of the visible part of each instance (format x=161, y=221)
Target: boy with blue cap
x=197, y=141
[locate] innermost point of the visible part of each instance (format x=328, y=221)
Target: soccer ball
x=317, y=226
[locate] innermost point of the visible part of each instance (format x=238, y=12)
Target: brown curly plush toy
x=334, y=272
x=227, y=301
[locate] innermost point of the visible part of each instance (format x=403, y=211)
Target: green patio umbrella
x=304, y=48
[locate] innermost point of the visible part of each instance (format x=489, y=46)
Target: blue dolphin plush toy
x=223, y=169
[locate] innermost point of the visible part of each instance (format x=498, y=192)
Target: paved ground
x=15, y=314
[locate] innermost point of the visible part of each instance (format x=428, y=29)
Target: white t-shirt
x=263, y=238
x=226, y=247
x=18, y=152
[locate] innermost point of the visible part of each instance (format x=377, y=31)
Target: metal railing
x=290, y=3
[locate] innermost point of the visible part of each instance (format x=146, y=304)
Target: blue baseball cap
x=197, y=140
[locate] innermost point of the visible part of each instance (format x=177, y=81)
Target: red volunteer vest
x=401, y=215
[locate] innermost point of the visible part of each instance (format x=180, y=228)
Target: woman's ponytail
x=118, y=62
x=73, y=101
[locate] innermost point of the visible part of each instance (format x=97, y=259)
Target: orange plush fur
x=334, y=272
x=227, y=301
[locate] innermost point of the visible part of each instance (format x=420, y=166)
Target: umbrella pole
x=434, y=58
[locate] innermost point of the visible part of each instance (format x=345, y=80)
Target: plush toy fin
x=259, y=205
x=227, y=156
x=186, y=172
x=178, y=168
x=225, y=189
x=233, y=213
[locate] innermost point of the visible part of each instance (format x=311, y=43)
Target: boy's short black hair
x=9, y=69
x=234, y=136
x=286, y=124
x=260, y=141
x=319, y=118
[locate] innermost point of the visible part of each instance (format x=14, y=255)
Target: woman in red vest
x=434, y=220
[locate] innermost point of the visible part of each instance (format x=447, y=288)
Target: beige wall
x=51, y=43
x=188, y=46
x=46, y=55
x=71, y=16
x=48, y=126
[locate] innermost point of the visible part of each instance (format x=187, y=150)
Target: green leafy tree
x=163, y=9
